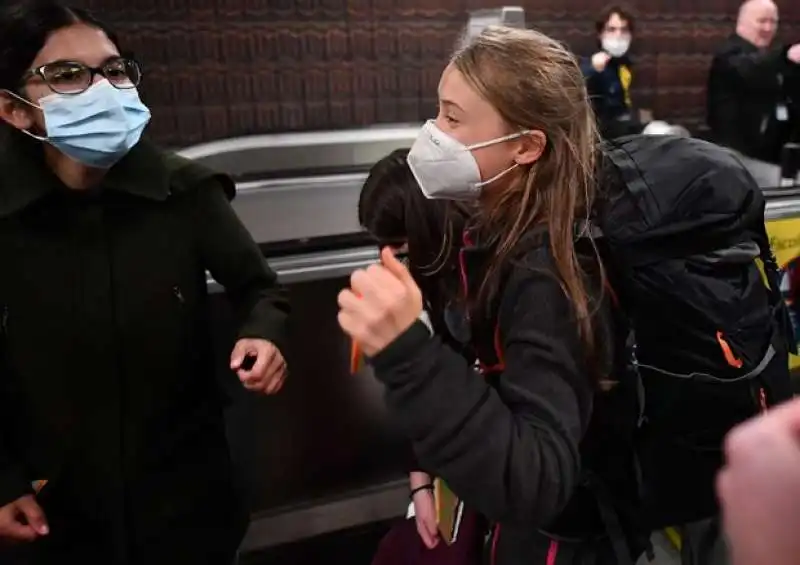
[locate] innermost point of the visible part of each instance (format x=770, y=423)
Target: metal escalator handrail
x=778, y=208
x=395, y=132
x=314, y=266
x=355, y=179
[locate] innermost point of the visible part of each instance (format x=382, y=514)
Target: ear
x=15, y=112
x=530, y=148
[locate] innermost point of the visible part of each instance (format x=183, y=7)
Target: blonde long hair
x=535, y=83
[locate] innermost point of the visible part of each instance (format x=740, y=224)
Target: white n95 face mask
x=446, y=169
x=616, y=46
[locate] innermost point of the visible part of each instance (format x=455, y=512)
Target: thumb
x=238, y=354
x=394, y=266
x=34, y=514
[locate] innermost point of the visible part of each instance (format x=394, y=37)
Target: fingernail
x=44, y=530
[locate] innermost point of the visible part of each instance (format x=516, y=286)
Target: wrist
x=421, y=488
x=418, y=478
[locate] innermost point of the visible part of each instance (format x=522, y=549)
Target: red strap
x=500, y=365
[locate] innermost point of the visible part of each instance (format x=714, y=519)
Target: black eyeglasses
x=71, y=77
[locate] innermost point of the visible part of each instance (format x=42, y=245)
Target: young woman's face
x=79, y=43
x=470, y=119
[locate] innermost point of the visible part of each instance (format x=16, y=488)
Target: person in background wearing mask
x=609, y=75
x=754, y=86
x=112, y=438
x=759, y=489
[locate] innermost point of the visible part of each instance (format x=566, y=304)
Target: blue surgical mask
x=96, y=127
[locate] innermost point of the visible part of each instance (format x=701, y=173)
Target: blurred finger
x=396, y=267
x=427, y=539
x=348, y=300
x=17, y=531
x=362, y=284
x=277, y=381
x=276, y=362
x=34, y=515
x=433, y=531
x=761, y=438
x=266, y=383
x=264, y=357
x=349, y=324
x=373, y=283
x=240, y=349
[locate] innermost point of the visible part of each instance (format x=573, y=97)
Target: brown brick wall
x=219, y=68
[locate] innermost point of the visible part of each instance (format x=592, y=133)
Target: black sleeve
x=793, y=81
x=755, y=68
x=228, y=251
x=594, y=84
x=13, y=483
x=510, y=452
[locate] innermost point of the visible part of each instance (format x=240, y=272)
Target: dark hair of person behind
x=393, y=209
x=624, y=13
x=25, y=26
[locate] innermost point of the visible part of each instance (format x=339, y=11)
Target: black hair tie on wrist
x=426, y=486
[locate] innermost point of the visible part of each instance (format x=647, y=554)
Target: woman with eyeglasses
x=112, y=438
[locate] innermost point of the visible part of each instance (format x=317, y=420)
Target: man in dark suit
x=754, y=86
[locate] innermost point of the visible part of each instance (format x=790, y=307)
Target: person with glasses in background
x=112, y=438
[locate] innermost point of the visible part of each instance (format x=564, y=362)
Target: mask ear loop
x=32, y=105
x=497, y=140
x=497, y=176
x=483, y=144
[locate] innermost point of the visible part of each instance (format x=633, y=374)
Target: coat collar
x=620, y=61
x=26, y=178
x=742, y=43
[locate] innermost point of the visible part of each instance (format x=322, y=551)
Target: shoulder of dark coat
x=186, y=175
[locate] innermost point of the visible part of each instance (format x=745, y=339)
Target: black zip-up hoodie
x=509, y=445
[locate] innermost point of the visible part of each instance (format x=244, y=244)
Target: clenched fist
x=22, y=520
x=383, y=301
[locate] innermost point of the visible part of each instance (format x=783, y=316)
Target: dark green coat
x=106, y=378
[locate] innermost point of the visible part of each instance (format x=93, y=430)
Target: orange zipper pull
x=355, y=358
x=730, y=358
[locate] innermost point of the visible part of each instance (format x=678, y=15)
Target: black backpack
x=703, y=333
x=706, y=333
